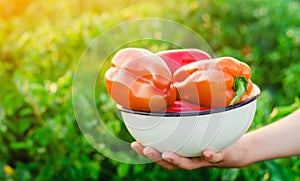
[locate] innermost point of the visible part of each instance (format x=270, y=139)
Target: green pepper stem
x=240, y=86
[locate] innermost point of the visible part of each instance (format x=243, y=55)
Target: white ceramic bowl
x=189, y=133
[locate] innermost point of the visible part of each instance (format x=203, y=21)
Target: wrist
x=238, y=154
x=247, y=148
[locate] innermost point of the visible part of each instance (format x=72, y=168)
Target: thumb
x=213, y=157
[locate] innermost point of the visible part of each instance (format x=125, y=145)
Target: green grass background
x=41, y=43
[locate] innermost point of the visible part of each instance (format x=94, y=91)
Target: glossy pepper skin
x=140, y=80
x=214, y=83
x=175, y=59
x=183, y=106
x=179, y=57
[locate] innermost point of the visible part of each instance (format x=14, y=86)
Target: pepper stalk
x=240, y=86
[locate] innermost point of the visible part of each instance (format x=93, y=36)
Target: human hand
x=170, y=160
x=232, y=157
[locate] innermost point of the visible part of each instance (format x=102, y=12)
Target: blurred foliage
x=41, y=43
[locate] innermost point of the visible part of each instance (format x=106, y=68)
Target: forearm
x=279, y=139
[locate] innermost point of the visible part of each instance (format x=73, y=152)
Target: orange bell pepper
x=214, y=83
x=140, y=80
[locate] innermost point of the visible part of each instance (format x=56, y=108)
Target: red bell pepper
x=180, y=57
x=140, y=80
x=175, y=59
x=183, y=106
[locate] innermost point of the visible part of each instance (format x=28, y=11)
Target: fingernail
x=207, y=154
x=149, y=152
x=168, y=156
x=133, y=145
x=150, y=156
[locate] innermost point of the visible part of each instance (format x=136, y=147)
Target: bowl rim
x=194, y=113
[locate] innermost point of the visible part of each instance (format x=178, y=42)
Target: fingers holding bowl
x=208, y=159
x=170, y=160
x=152, y=154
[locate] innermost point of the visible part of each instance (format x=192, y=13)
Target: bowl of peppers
x=182, y=100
